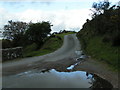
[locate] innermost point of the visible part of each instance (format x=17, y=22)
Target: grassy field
x=104, y=52
x=49, y=46
x=63, y=34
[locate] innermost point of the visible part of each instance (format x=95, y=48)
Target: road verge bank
x=51, y=45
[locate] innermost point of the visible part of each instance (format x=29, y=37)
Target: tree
x=100, y=7
x=15, y=31
x=37, y=32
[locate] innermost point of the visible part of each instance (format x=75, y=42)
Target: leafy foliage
x=99, y=8
x=100, y=37
x=37, y=32
x=6, y=43
x=15, y=31
x=23, y=34
x=105, y=25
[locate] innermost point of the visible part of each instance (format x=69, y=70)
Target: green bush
x=6, y=44
x=51, y=44
x=100, y=37
x=30, y=48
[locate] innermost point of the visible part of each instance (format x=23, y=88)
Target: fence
x=11, y=53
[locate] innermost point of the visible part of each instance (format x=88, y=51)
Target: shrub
x=6, y=43
x=116, y=41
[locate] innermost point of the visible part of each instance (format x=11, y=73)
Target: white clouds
x=30, y=14
x=49, y=0
x=61, y=19
x=5, y=16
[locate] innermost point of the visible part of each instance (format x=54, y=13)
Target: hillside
x=53, y=43
x=100, y=37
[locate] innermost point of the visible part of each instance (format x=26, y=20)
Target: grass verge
x=49, y=46
x=101, y=51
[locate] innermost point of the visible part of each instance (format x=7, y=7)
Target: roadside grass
x=104, y=52
x=49, y=46
x=63, y=34
x=0, y=43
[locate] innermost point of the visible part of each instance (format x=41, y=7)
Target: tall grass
x=102, y=51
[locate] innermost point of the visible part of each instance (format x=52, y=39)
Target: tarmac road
x=68, y=50
x=61, y=57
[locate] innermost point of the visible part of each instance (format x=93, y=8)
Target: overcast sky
x=63, y=14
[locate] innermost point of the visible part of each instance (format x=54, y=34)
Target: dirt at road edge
x=87, y=65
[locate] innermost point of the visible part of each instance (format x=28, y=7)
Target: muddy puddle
x=54, y=79
x=51, y=78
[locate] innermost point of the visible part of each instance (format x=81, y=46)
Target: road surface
x=68, y=49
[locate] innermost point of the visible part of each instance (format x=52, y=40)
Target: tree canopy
x=105, y=24
x=15, y=31
x=37, y=32
x=100, y=7
x=22, y=33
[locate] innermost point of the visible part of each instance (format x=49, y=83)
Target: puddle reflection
x=54, y=79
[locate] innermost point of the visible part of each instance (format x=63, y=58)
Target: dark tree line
x=99, y=8
x=37, y=32
x=17, y=33
x=14, y=33
x=105, y=22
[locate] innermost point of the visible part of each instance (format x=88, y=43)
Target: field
x=49, y=46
